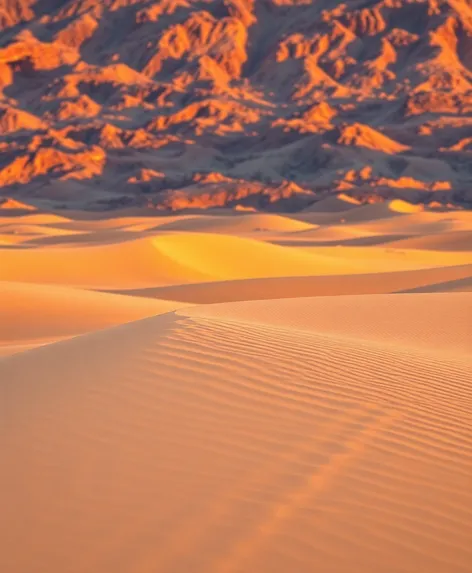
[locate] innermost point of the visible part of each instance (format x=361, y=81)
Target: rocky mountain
x=266, y=104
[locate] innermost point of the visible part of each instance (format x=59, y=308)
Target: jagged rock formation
x=268, y=104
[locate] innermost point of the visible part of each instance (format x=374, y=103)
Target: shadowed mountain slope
x=269, y=105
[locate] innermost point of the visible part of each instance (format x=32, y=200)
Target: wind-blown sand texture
x=318, y=417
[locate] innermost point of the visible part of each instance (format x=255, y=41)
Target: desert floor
x=236, y=392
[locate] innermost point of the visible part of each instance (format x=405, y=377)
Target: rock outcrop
x=273, y=104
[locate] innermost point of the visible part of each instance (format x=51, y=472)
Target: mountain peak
x=269, y=93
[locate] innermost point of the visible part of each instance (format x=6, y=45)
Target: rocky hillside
x=267, y=104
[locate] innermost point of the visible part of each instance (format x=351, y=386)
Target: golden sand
x=318, y=417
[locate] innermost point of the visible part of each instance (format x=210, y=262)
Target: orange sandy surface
x=229, y=393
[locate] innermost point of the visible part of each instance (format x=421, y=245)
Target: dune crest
x=241, y=432
x=38, y=314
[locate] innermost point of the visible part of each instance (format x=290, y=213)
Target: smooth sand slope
x=441, y=279
x=168, y=258
x=318, y=419
x=269, y=436
x=36, y=314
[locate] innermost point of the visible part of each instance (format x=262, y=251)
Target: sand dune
x=274, y=393
x=302, y=287
x=357, y=323
x=35, y=219
x=341, y=204
x=164, y=259
x=38, y=314
x=35, y=234
x=457, y=285
x=395, y=221
x=451, y=241
x=384, y=258
x=234, y=224
x=421, y=223
x=236, y=286
x=131, y=263
x=138, y=253
x=329, y=233
x=201, y=439
x=355, y=214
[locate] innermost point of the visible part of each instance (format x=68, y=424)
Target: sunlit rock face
x=267, y=104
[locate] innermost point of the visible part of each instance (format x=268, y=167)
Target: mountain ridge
x=271, y=105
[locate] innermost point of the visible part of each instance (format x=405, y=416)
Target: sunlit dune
x=247, y=223
x=134, y=252
x=210, y=254
x=164, y=259
x=131, y=263
x=181, y=392
x=399, y=206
